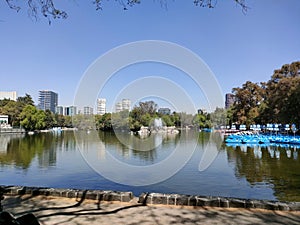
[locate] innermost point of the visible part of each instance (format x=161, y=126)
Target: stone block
x=126, y=196
x=294, y=206
x=144, y=198
x=182, y=200
x=71, y=194
x=270, y=205
x=192, y=201
x=224, y=202
x=255, y=204
x=283, y=206
x=237, y=203
x=91, y=195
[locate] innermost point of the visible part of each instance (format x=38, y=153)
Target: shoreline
x=154, y=198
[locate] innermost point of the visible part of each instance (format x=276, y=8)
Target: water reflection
x=51, y=159
x=273, y=165
x=21, y=150
x=125, y=146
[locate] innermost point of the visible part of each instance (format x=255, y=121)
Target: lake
x=158, y=163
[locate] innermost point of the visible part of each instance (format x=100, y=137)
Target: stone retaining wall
x=155, y=198
x=71, y=193
x=188, y=200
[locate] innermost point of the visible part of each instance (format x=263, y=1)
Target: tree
x=49, y=119
x=148, y=107
x=120, y=120
x=103, y=122
x=26, y=100
x=279, y=89
x=47, y=8
x=10, y=108
x=274, y=101
x=247, y=102
x=14, y=108
x=293, y=106
x=32, y=118
x=220, y=117
x=199, y=120
x=168, y=120
x=186, y=119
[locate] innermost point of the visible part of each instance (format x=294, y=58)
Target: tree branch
x=48, y=10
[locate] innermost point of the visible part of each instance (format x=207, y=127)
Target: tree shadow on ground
x=40, y=209
x=103, y=212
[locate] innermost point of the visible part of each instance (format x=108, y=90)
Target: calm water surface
x=56, y=160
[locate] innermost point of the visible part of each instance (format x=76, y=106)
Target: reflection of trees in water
x=216, y=138
x=126, y=145
x=23, y=149
x=275, y=165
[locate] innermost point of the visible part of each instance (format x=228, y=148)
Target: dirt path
x=57, y=210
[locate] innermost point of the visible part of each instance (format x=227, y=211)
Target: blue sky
x=237, y=47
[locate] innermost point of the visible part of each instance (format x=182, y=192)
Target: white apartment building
x=12, y=95
x=118, y=107
x=101, y=106
x=126, y=104
x=88, y=110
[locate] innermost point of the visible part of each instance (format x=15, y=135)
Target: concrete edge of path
x=154, y=198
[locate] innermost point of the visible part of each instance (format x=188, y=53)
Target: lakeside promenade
x=66, y=211
x=79, y=209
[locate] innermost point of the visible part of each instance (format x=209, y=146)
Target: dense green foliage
x=144, y=115
x=274, y=101
x=23, y=113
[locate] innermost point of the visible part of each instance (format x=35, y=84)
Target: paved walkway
x=57, y=210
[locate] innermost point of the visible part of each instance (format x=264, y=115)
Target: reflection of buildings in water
x=288, y=153
x=271, y=152
x=244, y=148
x=257, y=152
x=271, y=165
x=101, y=151
x=295, y=154
x=47, y=158
x=158, y=140
x=5, y=140
x=277, y=154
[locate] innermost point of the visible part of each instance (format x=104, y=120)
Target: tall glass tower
x=48, y=100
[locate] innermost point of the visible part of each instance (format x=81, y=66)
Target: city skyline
x=236, y=46
x=71, y=110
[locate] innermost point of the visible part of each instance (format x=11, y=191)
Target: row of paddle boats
x=250, y=138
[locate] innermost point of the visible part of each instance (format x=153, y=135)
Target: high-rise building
x=48, y=100
x=126, y=103
x=59, y=110
x=70, y=111
x=101, y=106
x=12, y=95
x=88, y=110
x=164, y=111
x=229, y=100
x=118, y=107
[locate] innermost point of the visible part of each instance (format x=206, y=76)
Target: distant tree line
x=274, y=101
x=23, y=113
x=144, y=114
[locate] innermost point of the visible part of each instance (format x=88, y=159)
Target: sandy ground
x=52, y=210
